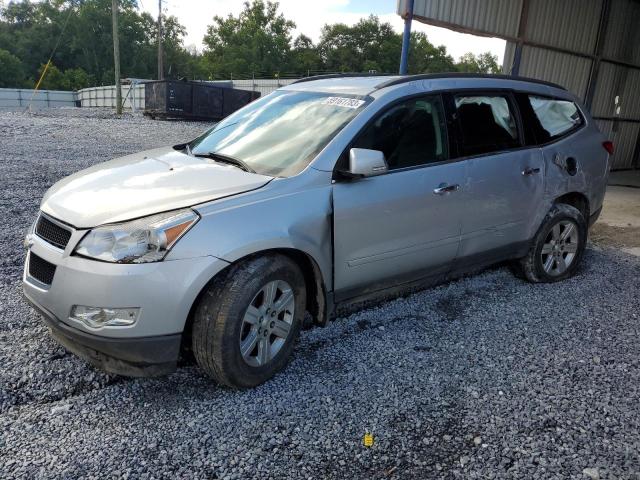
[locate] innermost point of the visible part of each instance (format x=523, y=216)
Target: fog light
x=96, y=317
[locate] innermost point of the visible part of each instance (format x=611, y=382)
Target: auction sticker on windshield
x=343, y=102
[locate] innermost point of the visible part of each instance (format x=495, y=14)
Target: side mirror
x=366, y=163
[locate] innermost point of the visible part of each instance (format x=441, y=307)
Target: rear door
x=404, y=225
x=505, y=178
x=572, y=149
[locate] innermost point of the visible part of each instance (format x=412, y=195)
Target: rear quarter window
x=556, y=117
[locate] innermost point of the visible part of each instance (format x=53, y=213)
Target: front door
x=404, y=225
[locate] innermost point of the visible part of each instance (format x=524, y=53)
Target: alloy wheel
x=267, y=323
x=560, y=248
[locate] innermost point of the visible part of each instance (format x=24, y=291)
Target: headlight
x=143, y=240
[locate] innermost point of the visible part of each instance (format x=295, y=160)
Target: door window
x=486, y=124
x=409, y=133
x=556, y=117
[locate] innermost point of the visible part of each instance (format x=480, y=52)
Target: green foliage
x=29, y=30
x=306, y=58
x=70, y=79
x=257, y=42
x=11, y=70
x=424, y=57
x=483, y=63
x=368, y=45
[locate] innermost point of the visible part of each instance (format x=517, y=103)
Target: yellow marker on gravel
x=367, y=440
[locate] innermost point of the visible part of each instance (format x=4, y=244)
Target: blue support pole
x=406, y=37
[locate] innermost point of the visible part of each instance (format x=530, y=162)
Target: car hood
x=142, y=184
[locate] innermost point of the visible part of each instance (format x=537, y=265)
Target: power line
x=53, y=51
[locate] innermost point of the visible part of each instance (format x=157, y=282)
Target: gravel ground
x=485, y=377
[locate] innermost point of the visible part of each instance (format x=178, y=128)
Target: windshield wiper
x=222, y=158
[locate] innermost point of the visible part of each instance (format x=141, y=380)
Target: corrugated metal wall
x=568, y=24
x=567, y=70
x=491, y=16
x=623, y=35
x=559, y=42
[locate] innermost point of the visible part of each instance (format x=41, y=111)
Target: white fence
x=19, y=97
x=132, y=95
x=264, y=86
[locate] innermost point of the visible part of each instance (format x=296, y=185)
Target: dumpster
x=193, y=100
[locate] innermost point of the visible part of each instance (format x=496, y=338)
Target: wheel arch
x=315, y=286
x=577, y=200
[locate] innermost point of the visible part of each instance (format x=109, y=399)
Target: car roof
x=363, y=84
x=341, y=83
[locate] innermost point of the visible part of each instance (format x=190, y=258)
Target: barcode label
x=343, y=102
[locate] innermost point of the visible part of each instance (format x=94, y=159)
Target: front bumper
x=132, y=357
x=164, y=293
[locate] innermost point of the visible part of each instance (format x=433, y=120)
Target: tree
x=482, y=63
x=77, y=79
x=424, y=57
x=257, y=41
x=11, y=70
x=372, y=45
x=53, y=79
x=306, y=58
x=367, y=45
x=28, y=30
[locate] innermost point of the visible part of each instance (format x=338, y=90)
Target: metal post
x=116, y=55
x=597, y=51
x=517, y=54
x=160, y=54
x=132, y=101
x=406, y=37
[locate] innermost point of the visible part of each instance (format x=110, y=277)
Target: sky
x=311, y=15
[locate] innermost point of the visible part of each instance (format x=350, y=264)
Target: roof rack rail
x=434, y=76
x=339, y=75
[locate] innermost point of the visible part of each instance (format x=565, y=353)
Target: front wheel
x=557, y=248
x=248, y=320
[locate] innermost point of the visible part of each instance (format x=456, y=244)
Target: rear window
x=556, y=117
x=486, y=124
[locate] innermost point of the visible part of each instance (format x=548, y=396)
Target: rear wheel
x=248, y=320
x=557, y=248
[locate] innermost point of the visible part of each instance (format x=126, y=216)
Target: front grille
x=52, y=232
x=40, y=269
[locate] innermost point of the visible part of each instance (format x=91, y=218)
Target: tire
x=223, y=321
x=532, y=266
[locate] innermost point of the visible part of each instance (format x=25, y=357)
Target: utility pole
x=116, y=55
x=160, y=54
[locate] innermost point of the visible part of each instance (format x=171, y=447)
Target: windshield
x=278, y=135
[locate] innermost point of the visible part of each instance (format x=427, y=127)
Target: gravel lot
x=485, y=377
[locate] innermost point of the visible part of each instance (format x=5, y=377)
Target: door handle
x=530, y=171
x=444, y=188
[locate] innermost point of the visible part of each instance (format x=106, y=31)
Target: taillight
x=608, y=146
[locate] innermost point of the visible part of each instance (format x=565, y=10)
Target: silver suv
x=326, y=194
